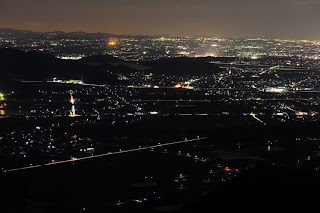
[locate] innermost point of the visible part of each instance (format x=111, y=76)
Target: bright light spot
x=227, y=169
x=178, y=86
x=188, y=87
x=153, y=113
x=275, y=89
x=1, y=96
x=73, y=111
x=210, y=55
x=112, y=43
x=72, y=101
x=73, y=136
x=70, y=57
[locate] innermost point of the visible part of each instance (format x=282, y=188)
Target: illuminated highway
x=106, y=154
x=84, y=84
x=255, y=117
x=180, y=100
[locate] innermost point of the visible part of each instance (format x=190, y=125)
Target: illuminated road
x=255, y=117
x=293, y=110
x=137, y=101
x=106, y=154
x=57, y=82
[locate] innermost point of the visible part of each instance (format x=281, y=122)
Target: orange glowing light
x=227, y=169
x=73, y=136
x=178, y=86
x=2, y=106
x=112, y=43
x=72, y=101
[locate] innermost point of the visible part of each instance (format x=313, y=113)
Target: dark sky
x=298, y=19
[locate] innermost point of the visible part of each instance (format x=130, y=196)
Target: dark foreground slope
x=265, y=187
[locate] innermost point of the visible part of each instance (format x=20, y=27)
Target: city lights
x=156, y=116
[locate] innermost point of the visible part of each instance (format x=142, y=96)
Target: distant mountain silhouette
x=23, y=34
x=16, y=64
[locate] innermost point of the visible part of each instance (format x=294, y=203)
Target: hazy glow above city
x=292, y=19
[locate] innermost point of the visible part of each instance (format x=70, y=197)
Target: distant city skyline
x=284, y=19
x=164, y=35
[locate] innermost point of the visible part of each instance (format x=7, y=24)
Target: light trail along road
x=106, y=154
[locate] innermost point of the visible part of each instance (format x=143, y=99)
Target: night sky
x=297, y=19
